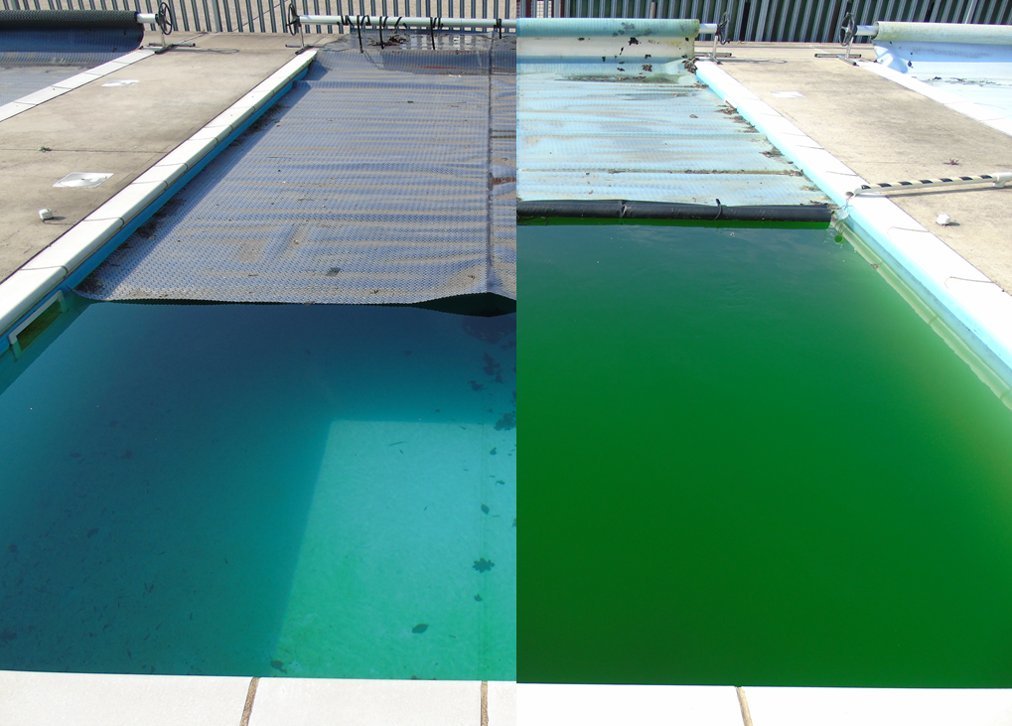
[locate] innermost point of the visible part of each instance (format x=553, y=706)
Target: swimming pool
x=239, y=477
x=747, y=460
x=280, y=490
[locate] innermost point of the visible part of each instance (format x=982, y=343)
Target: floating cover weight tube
x=621, y=209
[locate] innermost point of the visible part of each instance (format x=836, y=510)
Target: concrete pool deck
x=884, y=132
x=120, y=124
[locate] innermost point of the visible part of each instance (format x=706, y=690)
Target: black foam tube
x=66, y=19
x=621, y=209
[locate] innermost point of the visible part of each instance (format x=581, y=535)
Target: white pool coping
x=33, y=99
x=85, y=699
x=34, y=281
x=991, y=116
x=974, y=304
x=42, y=699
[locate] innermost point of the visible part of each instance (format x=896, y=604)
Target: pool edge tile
x=879, y=706
x=502, y=703
x=357, y=702
x=540, y=704
x=86, y=699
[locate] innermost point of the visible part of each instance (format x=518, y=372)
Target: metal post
x=968, y=17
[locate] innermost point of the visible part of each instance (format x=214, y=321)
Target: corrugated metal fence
x=764, y=20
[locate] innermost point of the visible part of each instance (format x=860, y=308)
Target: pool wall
x=970, y=303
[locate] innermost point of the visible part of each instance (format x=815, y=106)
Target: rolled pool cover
x=76, y=19
x=609, y=27
x=943, y=33
x=54, y=32
x=605, y=40
x=622, y=209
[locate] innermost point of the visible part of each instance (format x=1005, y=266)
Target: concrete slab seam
x=927, y=263
x=247, y=708
x=746, y=714
x=22, y=291
x=33, y=99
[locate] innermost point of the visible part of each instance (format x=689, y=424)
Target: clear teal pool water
x=261, y=490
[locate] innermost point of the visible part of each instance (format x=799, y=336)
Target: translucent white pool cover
x=383, y=177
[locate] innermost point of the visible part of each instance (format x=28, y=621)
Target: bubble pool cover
x=383, y=177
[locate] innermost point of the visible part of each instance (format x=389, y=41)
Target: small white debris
x=45, y=214
x=944, y=220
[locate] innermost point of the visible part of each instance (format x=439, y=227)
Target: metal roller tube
x=943, y=33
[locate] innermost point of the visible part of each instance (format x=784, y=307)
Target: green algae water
x=745, y=460
x=278, y=490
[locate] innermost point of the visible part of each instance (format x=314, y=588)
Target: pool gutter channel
x=72, y=256
x=971, y=305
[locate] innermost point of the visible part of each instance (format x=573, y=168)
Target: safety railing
x=749, y=20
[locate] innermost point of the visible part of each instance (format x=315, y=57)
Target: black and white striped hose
x=997, y=179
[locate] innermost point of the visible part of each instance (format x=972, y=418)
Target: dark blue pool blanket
x=385, y=176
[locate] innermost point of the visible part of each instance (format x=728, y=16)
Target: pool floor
x=290, y=490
